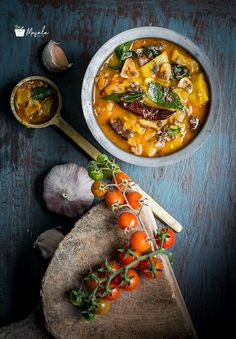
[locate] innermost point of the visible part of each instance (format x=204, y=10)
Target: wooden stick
x=93, y=152
x=160, y=212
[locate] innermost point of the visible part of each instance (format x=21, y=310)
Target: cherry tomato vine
x=107, y=282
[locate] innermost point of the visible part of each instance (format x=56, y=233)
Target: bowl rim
x=88, y=87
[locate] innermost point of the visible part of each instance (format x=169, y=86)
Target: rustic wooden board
x=199, y=192
x=155, y=310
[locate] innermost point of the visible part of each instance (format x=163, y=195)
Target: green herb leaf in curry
x=172, y=132
x=179, y=71
x=163, y=96
x=123, y=51
x=40, y=92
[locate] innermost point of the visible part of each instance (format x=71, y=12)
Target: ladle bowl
x=56, y=120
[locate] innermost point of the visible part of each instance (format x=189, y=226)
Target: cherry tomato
x=168, y=238
x=77, y=297
x=126, y=260
x=89, y=315
x=134, y=199
x=103, y=306
x=138, y=241
x=122, y=179
x=99, y=189
x=112, y=168
x=115, y=292
x=102, y=159
x=134, y=281
x=114, y=199
x=94, y=171
x=114, y=267
x=127, y=219
x=145, y=266
x=117, y=280
x=91, y=284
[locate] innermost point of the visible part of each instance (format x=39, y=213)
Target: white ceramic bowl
x=88, y=89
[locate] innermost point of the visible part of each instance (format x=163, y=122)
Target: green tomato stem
x=125, y=269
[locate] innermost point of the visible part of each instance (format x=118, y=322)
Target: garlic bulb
x=67, y=190
x=54, y=58
x=48, y=242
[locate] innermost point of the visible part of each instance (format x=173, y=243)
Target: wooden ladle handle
x=88, y=148
x=83, y=143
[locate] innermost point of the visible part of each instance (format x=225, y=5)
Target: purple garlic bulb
x=67, y=190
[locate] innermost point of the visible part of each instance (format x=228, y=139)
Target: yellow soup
x=151, y=97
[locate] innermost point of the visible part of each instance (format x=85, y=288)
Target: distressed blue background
x=199, y=192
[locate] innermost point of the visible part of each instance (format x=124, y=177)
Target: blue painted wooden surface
x=199, y=192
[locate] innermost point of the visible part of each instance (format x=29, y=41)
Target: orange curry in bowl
x=151, y=97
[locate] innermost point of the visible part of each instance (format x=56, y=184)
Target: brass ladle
x=85, y=145
x=56, y=120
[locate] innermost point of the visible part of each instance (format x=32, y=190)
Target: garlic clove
x=165, y=71
x=186, y=84
x=67, y=190
x=129, y=69
x=48, y=242
x=54, y=58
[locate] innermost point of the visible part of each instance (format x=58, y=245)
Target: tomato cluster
x=111, y=278
x=117, y=197
x=116, y=277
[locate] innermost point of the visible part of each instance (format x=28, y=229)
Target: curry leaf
x=112, y=97
x=163, y=96
x=124, y=97
x=40, y=92
x=173, y=131
x=114, y=68
x=123, y=51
